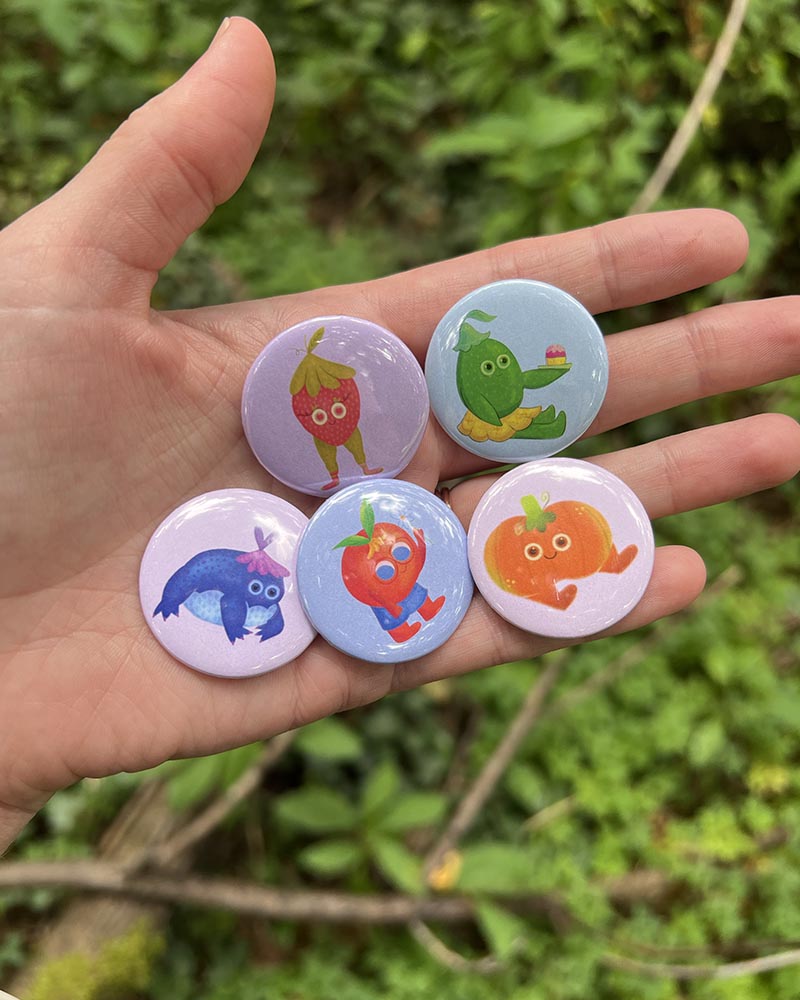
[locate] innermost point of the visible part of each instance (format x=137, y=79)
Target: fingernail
x=221, y=30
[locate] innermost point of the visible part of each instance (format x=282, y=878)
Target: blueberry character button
x=561, y=548
x=218, y=583
x=383, y=571
x=516, y=370
x=332, y=401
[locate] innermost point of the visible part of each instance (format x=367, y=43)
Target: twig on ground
x=436, y=948
x=292, y=904
x=165, y=854
x=731, y=970
x=549, y=814
x=478, y=793
x=233, y=894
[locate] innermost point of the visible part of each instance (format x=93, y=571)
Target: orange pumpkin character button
x=561, y=548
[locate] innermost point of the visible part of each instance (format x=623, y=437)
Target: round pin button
x=516, y=370
x=561, y=548
x=383, y=571
x=332, y=401
x=218, y=583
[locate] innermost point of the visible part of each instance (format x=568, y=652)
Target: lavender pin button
x=332, y=401
x=218, y=583
x=561, y=548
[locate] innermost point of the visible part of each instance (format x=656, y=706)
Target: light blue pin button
x=516, y=370
x=383, y=572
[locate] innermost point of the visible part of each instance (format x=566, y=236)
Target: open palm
x=112, y=415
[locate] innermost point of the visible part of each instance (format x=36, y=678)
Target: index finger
x=617, y=264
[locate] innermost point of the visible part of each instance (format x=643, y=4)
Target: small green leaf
x=409, y=812
x=535, y=515
x=504, y=932
x=381, y=785
x=329, y=739
x=527, y=787
x=316, y=810
x=480, y=315
x=367, y=515
x=468, y=337
x=330, y=858
x=194, y=780
x=496, y=868
x=351, y=540
x=316, y=337
x=400, y=867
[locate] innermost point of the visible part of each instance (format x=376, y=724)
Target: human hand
x=113, y=415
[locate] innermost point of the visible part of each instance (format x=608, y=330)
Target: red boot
x=430, y=609
x=405, y=631
x=333, y=483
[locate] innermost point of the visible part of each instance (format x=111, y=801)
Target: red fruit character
x=326, y=401
x=380, y=568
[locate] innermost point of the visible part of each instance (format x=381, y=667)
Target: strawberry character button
x=516, y=370
x=332, y=401
x=383, y=571
x=218, y=583
x=561, y=548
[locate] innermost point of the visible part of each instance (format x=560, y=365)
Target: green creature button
x=516, y=370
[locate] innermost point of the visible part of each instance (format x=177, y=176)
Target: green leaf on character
x=351, y=540
x=536, y=517
x=367, y=515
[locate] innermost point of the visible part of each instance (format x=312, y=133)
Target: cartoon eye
x=561, y=542
x=339, y=410
x=255, y=586
x=533, y=551
x=385, y=570
x=487, y=367
x=272, y=592
x=503, y=361
x=319, y=417
x=401, y=552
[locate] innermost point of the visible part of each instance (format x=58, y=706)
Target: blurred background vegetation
x=406, y=131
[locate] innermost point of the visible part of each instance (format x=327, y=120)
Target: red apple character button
x=382, y=571
x=332, y=401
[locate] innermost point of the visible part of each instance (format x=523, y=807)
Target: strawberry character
x=326, y=401
x=380, y=568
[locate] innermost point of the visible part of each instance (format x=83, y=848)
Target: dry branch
x=165, y=854
x=676, y=150
x=476, y=797
x=731, y=970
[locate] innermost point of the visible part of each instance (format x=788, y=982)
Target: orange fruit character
x=528, y=555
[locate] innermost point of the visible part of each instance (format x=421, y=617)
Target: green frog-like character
x=491, y=384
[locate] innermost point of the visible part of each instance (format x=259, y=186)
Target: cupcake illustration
x=555, y=355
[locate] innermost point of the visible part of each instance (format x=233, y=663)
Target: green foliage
x=191, y=781
x=330, y=739
x=402, y=133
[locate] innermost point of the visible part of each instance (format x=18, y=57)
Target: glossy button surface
x=218, y=583
x=383, y=571
x=561, y=548
x=516, y=370
x=332, y=401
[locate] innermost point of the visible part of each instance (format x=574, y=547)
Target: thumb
x=162, y=173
